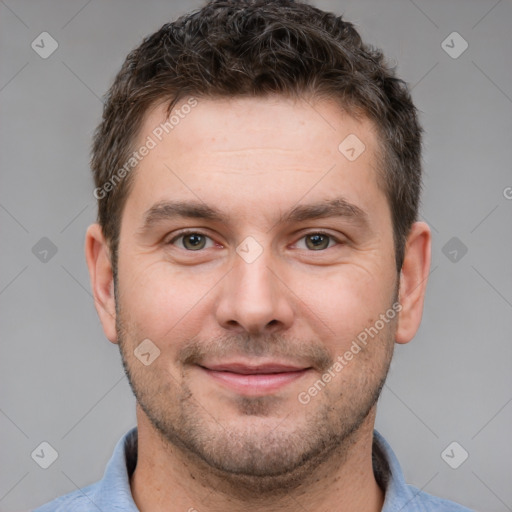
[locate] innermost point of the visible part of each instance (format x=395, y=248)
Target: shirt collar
x=389, y=476
x=114, y=488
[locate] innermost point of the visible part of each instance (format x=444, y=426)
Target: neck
x=165, y=475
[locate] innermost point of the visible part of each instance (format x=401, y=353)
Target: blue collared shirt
x=112, y=492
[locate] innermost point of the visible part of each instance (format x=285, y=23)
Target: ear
x=97, y=255
x=413, y=281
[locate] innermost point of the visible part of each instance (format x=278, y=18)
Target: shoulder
x=423, y=502
x=400, y=496
x=76, y=501
x=112, y=492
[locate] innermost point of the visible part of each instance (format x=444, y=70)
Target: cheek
x=161, y=303
x=343, y=302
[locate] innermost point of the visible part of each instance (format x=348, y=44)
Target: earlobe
x=413, y=281
x=97, y=255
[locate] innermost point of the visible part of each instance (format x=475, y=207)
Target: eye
x=192, y=241
x=196, y=241
x=318, y=241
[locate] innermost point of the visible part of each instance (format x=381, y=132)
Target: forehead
x=272, y=122
x=238, y=150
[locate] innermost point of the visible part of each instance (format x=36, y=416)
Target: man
x=256, y=257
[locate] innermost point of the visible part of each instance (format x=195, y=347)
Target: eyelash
x=196, y=232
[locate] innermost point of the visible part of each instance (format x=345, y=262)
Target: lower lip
x=255, y=384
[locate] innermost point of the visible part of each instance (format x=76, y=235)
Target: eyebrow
x=168, y=210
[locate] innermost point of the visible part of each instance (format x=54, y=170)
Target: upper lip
x=253, y=369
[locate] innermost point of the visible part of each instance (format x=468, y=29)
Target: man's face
x=252, y=253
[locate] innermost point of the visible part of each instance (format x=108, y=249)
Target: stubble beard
x=266, y=455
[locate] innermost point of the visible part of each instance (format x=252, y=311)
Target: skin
x=205, y=445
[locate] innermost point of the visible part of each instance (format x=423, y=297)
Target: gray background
x=62, y=382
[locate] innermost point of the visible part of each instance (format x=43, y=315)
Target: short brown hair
x=239, y=48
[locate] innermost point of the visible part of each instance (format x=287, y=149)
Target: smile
x=254, y=380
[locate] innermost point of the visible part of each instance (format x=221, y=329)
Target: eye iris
x=194, y=241
x=317, y=242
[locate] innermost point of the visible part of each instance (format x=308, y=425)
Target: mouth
x=254, y=380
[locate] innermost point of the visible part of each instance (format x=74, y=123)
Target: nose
x=254, y=298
